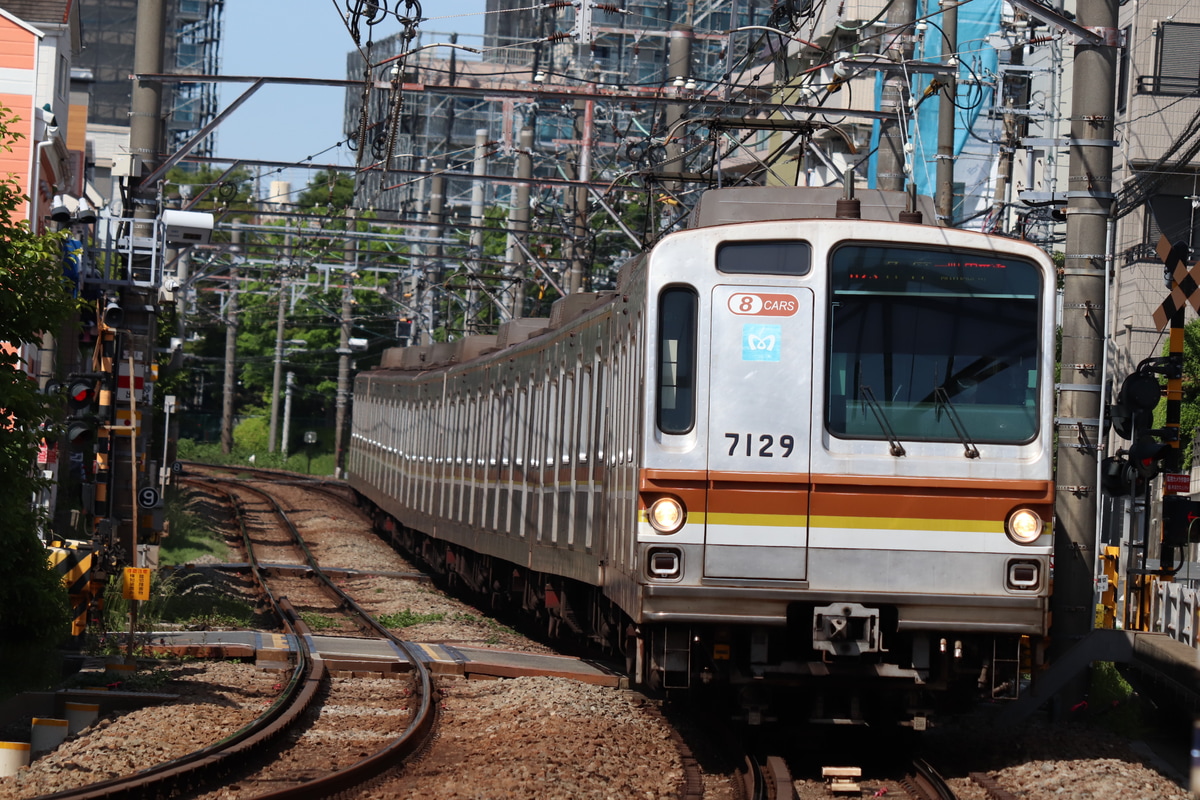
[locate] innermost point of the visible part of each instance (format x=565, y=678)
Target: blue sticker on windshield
x=761, y=342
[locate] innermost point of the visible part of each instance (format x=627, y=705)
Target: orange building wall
x=17, y=51
x=17, y=46
x=77, y=128
x=17, y=161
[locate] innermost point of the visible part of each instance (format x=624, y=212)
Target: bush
x=252, y=434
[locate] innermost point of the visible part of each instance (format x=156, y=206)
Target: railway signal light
x=83, y=394
x=1117, y=476
x=1180, y=517
x=1136, y=401
x=1147, y=454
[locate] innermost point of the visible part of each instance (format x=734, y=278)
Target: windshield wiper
x=868, y=396
x=942, y=400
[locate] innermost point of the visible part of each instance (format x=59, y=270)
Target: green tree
x=33, y=298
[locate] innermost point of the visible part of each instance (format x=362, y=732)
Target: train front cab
x=848, y=476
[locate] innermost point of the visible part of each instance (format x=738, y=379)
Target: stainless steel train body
x=786, y=451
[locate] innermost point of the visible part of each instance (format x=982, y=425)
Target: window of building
x=1174, y=216
x=1178, y=58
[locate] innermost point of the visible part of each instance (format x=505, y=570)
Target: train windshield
x=932, y=345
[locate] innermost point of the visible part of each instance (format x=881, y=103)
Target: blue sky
x=302, y=38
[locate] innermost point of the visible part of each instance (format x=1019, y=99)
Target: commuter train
x=799, y=453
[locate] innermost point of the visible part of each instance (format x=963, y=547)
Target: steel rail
x=412, y=740
x=224, y=756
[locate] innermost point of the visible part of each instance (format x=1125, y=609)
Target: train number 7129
x=762, y=446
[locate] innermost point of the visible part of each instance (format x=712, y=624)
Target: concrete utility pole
x=437, y=205
x=577, y=198
x=280, y=319
x=889, y=171
x=477, y=221
x=145, y=113
x=344, y=386
x=518, y=222
x=231, y=332
x=1014, y=131
x=946, y=113
x=1089, y=212
x=679, y=69
x=287, y=415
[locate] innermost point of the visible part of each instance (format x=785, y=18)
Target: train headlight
x=667, y=515
x=1024, y=526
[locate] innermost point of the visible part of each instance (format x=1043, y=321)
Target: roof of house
x=56, y=11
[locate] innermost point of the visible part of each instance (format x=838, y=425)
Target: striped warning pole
x=73, y=562
x=1184, y=284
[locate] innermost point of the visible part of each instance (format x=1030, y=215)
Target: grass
x=407, y=618
x=1113, y=704
x=185, y=599
x=302, y=461
x=317, y=622
x=190, y=538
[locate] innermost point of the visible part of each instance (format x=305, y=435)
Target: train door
x=760, y=413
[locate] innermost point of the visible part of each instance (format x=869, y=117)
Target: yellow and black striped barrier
x=73, y=562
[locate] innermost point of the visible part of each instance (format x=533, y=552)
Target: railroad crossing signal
x=1184, y=282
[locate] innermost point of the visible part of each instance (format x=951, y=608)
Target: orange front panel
x=782, y=499
x=928, y=498
x=849, y=496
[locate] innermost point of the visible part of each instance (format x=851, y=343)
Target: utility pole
x=679, y=69
x=231, y=332
x=344, y=386
x=890, y=170
x=145, y=117
x=1014, y=131
x=479, y=169
x=287, y=415
x=1089, y=212
x=437, y=203
x=518, y=222
x=280, y=319
x=578, y=205
x=946, y=109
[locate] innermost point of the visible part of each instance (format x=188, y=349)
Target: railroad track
x=693, y=781
x=420, y=727
x=237, y=757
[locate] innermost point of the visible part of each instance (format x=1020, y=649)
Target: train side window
x=568, y=418
x=764, y=258
x=677, y=312
x=583, y=436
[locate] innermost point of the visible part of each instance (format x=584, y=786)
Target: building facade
x=38, y=41
x=192, y=44
x=1158, y=126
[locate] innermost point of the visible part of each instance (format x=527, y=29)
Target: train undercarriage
x=843, y=663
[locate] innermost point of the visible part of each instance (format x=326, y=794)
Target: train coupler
x=847, y=629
